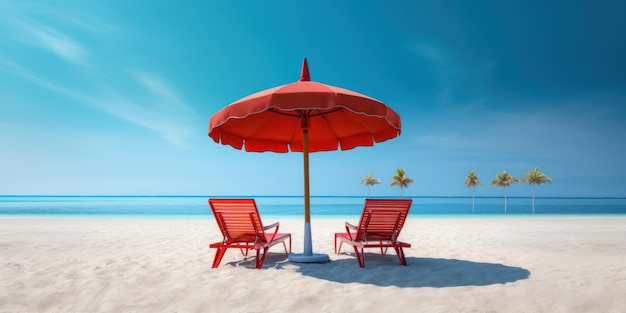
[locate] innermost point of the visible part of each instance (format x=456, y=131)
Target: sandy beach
x=509, y=264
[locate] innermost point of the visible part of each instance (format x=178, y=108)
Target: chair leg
x=285, y=246
x=383, y=250
x=219, y=254
x=260, y=257
x=337, y=250
x=400, y=253
x=289, y=243
x=360, y=256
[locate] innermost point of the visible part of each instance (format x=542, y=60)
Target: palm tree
x=504, y=180
x=369, y=181
x=535, y=177
x=472, y=181
x=400, y=180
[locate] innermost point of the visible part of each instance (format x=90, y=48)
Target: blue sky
x=114, y=97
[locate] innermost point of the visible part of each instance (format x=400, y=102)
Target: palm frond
x=400, y=179
x=370, y=180
x=472, y=180
x=535, y=177
x=503, y=179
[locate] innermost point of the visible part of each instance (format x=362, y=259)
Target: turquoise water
x=292, y=206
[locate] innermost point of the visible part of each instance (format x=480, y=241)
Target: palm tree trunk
x=533, y=186
x=504, y=200
x=473, y=199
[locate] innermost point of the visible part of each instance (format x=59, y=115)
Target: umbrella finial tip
x=304, y=76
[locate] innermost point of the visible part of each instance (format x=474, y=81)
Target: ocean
x=292, y=206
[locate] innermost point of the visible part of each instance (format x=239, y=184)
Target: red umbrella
x=304, y=116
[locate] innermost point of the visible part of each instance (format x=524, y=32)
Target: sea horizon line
x=300, y=196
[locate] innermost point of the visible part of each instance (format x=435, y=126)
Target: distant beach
x=494, y=264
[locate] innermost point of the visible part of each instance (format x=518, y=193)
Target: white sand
x=530, y=264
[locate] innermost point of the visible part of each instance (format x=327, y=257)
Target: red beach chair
x=241, y=226
x=379, y=227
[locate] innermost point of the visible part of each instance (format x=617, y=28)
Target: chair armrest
x=273, y=235
x=348, y=228
x=271, y=226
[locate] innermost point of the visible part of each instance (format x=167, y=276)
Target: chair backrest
x=238, y=219
x=382, y=219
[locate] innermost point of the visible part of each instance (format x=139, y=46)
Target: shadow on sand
x=420, y=272
x=386, y=271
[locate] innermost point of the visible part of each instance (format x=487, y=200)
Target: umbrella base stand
x=308, y=256
x=312, y=258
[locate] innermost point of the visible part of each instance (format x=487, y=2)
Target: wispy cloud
x=444, y=68
x=441, y=59
x=142, y=99
x=16, y=69
x=56, y=29
x=55, y=41
x=83, y=20
x=158, y=108
x=165, y=96
x=575, y=131
x=447, y=140
x=462, y=75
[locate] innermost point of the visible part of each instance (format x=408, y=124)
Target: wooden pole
x=307, y=198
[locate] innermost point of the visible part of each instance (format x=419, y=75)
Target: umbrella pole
x=308, y=256
x=308, y=242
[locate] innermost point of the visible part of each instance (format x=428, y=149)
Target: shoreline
x=532, y=264
x=312, y=196
x=175, y=207
x=313, y=216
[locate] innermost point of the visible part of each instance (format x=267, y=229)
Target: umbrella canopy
x=304, y=116
x=273, y=119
